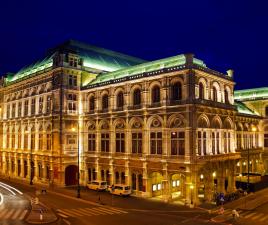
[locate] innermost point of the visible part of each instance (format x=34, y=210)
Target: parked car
x=97, y=185
x=120, y=189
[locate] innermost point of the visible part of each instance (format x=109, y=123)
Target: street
x=110, y=210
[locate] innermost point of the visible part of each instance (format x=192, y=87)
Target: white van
x=97, y=185
x=120, y=189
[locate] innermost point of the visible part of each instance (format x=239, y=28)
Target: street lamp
x=78, y=168
x=214, y=175
x=31, y=159
x=191, y=188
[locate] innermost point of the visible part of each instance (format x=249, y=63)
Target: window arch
x=176, y=89
x=120, y=99
x=214, y=94
x=201, y=91
x=91, y=103
x=155, y=94
x=105, y=103
x=137, y=97
x=226, y=97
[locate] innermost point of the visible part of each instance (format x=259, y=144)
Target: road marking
x=87, y=212
x=63, y=215
x=67, y=222
x=264, y=218
x=96, y=213
x=103, y=210
x=22, y=215
x=116, y=210
x=16, y=214
x=257, y=216
x=8, y=214
x=80, y=212
x=70, y=212
x=250, y=215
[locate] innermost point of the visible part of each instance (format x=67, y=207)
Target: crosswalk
x=249, y=215
x=12, y=214
x=95, y=211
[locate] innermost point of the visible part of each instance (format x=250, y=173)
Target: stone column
x=127, y=173
x=22, y=167
x=147, y=192
x=111, y=171
x=166, y=184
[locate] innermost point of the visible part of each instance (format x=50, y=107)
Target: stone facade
x=168, y=128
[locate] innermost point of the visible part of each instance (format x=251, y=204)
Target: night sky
x=225, y=34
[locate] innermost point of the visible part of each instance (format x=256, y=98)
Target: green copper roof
x=178, y=60
x=40, y=65
x=100, y=58
x=92, y=57
x=242, y=108
x=251, y=94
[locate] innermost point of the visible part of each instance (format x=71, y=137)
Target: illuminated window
x=154, y=187
x=32, y=140
x=137, y=142
x=120, y=142
x=26, y=107
x=41, y=99
x=19, y=109
x=33, y=106
x=156, y=142
x=158, y=187
x=72, y=102
x=91, y=142
x=48, y=104
x=105, y=142
x=72, y=80
x=177, y=143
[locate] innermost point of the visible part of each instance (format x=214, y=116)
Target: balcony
x=133, y=107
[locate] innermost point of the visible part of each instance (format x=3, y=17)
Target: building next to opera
x=169, y=128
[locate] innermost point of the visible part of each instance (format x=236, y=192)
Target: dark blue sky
x=225, y=34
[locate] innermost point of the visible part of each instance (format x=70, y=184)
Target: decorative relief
x=156, y=123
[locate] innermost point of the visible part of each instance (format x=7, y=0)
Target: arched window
x=176, y=91
x=92, y=103
x=155, y=94
x=266, y=111
x=137, y=97
x=226, y=97
x=105, y=103
x=214, y=94
x=120, y=99
x=201, y=91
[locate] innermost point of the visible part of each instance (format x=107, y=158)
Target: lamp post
x=214, y=175
x=31, y=159
x=191, y=188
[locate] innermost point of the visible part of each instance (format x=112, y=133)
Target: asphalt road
x=114, y=210
x=14, y=206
